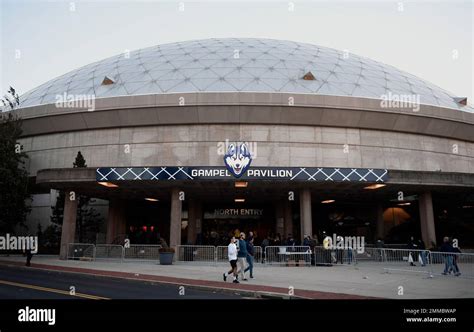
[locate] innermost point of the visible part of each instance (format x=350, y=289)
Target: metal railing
x=81, y=251
x=221, y=254
x=109, y=251
x=190, y=253
x=402, y=260
x=406, y=260
x=328, y=257
x=144, y=252
x=257, y=254
x=288, y=255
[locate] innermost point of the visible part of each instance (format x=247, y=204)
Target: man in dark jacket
x=250, y=253
x=447, y=248
x=242, y=256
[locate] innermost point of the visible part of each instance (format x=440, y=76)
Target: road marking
x=52, y=290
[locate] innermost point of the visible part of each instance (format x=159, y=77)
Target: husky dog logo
x=237, y=159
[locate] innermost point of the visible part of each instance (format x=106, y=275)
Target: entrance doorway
x=220, y=223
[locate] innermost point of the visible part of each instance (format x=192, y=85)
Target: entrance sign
x=237, y=159
x=191, y=173
x=239, y=213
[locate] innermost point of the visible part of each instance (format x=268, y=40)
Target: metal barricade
x=81, y=251
x=328, y=257
x=221, y=254
x=188, y=253
x=144, y=252
x=288, y=255
x=257, y=254
x=370, y=254
x=407, y=260
x=460, y=264
x=109, y=251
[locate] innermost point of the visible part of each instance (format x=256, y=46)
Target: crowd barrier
x=402, y=260
x=328, y=257
x=81, y=251
x=288, y=255
x=109, y=251
x=142, y=252
x=190, y=253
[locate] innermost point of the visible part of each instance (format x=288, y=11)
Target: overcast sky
x=432, y=40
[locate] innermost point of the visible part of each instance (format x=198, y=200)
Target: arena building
x=193, y=140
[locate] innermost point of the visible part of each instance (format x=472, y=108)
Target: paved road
x=30, y=283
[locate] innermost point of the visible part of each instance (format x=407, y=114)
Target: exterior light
x=151, y=199
x=375, y=186
x=239, y=200
x=108, y=184
x=404, y=204
x=241, y=184
x=328, y=201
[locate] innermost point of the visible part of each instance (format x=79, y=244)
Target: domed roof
x=239, y=65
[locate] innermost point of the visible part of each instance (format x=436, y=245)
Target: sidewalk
x=336, y=282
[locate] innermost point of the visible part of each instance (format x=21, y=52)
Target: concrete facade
x=306, y=219
x=428, y=233
x=277, y=145
x=175, y=219
x=68, y=229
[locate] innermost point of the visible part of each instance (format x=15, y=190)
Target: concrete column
x=175, y=219
x=380, y=231
x=288, y=218
x=428, y=233
x=68, y=231
x=192, y=221
x=279, y=218
x=198, y=211
x=116, y=221
x=306, y=220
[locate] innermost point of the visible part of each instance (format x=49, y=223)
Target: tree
x=88, y=220
x=80, y=161
x=87, y=217
x=52, y=234
x=13, y=175
x=11, y=100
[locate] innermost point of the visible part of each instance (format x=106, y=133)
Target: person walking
x=456, y=251
x=232, y=255
x=411, y=245
x=250, y=254
x=28, y=255
x=242, y=256
x=447, y=249
x=422, y=254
